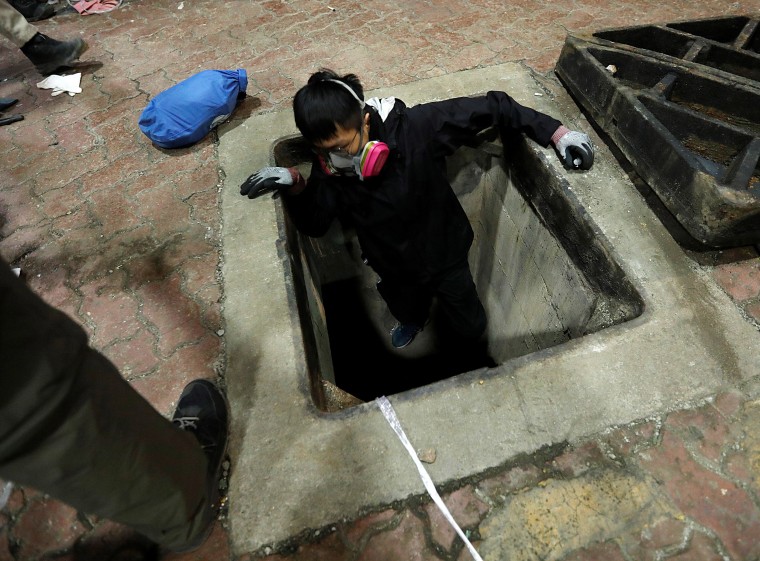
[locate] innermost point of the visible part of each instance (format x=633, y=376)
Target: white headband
x=351, y=91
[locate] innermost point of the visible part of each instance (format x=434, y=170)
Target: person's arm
x=454, y=122
x=304, y=203
x=308, y=204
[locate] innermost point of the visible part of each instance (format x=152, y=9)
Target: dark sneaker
x=403, y=334
x=48, y=55
x=202, y=410
x=33, y=10
x=6, y=102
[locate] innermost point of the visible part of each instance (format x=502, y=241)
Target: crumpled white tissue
x=60, y=84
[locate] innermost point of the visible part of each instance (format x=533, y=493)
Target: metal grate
x=682, y=102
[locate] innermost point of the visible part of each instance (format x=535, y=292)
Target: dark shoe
x=6, y=102
x=202, y=410
x=48, y=55
x=33, y=10
x=403, y=334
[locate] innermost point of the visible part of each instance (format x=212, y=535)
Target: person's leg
x=465, y=320
x=72, y=427
x=409, y=304
x=13, y=25
x=47, y=54
x=459, y=303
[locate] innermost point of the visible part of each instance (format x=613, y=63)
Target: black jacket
x=408, y=220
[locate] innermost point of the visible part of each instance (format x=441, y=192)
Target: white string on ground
x=5, y=494
x=390, y=416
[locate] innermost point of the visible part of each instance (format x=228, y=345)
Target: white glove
x=574, y=148
x=60, y=84
x=267, y=180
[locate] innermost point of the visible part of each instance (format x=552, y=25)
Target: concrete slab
x=295, y=468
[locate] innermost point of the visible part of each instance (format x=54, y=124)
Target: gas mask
x=367, y=163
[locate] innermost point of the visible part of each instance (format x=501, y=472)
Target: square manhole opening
x=543, y=273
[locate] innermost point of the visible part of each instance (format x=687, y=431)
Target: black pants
x=458, y=300
x=72, y=427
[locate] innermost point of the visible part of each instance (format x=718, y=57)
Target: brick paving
x=682, y=486
x=125, y=238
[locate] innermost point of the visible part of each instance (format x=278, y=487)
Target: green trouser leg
x=13, y=26
x=72, y=427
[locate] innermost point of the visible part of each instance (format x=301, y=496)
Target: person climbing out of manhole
x=379, y=167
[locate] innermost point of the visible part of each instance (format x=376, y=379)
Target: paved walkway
x=125, y=238
x=682, y=486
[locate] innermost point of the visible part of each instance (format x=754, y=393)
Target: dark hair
x=320, y=105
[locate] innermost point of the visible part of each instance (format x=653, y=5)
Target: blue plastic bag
x=186, y=112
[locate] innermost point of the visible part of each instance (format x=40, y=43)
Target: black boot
x=6, y=102
x=48, y=55
x=202, y=410
x=33, y=10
